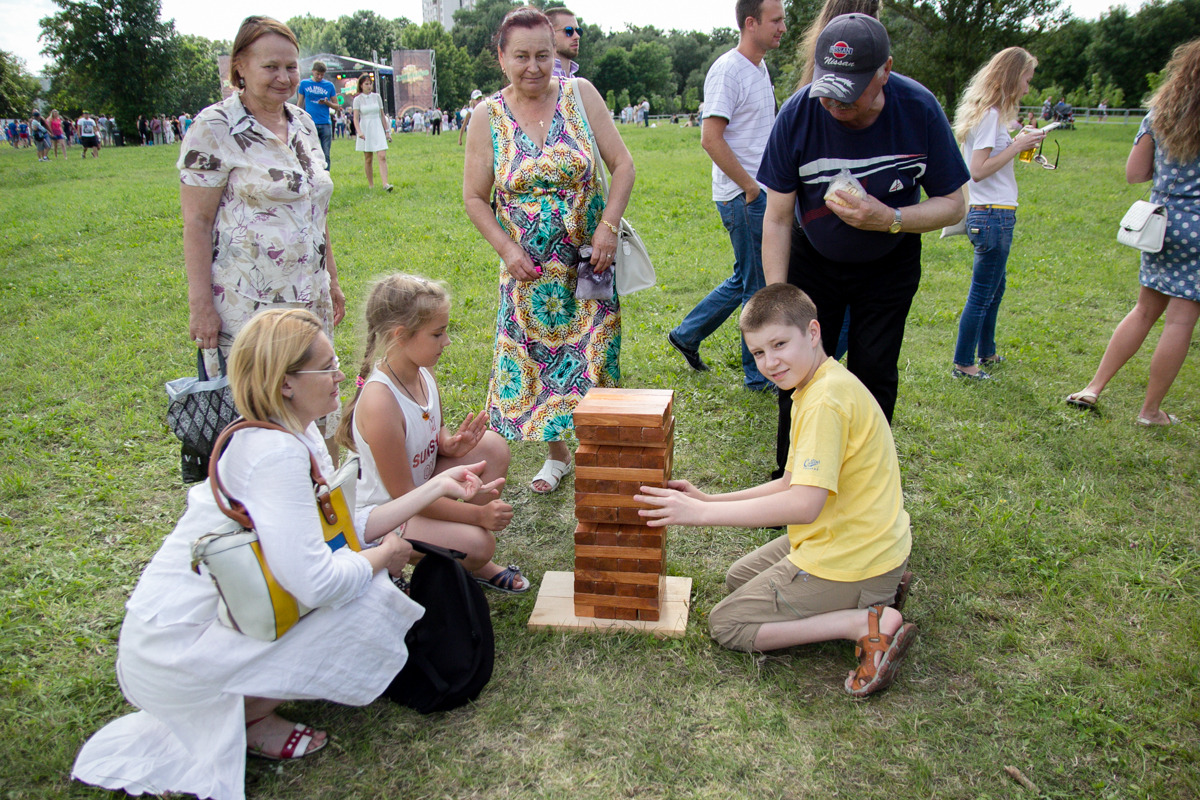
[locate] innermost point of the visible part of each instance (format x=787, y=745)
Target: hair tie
x=360, y=381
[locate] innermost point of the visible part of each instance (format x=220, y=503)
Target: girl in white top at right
x=395, y=425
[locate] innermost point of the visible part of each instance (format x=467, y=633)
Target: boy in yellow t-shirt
x=839, y=571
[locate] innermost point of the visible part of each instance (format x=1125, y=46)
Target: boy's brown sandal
x=871, y=677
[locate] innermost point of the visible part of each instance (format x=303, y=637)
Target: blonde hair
x=274, y=343
x=807, y=49
x=253, y=29
x=1176, y=105
x=995, y=85
x=397, y=301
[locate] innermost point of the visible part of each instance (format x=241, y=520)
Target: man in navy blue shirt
x=318, y=95
x=845, y=250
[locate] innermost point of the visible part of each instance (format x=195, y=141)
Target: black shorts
x=89, y=141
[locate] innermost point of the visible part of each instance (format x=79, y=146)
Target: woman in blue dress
x=1167, y=149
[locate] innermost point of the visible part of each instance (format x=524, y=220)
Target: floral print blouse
x=269, y=232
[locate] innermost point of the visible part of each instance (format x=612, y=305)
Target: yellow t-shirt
x=842, y=442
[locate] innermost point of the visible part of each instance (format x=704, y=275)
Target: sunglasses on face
x=571, y=30
x=1044, y=162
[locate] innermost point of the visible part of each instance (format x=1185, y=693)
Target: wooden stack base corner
x=555, y=609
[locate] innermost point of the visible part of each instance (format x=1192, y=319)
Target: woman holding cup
x=981, y=126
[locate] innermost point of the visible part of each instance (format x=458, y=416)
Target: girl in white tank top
x=395, y=425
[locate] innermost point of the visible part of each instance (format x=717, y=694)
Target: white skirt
x=374, y=138
x=191, y=682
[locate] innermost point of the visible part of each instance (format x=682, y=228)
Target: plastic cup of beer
x=1026, y=156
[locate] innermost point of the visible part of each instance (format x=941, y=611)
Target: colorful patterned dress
x=550, y=347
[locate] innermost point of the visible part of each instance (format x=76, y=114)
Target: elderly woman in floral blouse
x=255, y=195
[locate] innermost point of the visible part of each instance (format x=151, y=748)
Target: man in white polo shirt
x=739, y=109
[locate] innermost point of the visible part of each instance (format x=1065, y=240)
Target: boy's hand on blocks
x=679, y=504
x=462, y=441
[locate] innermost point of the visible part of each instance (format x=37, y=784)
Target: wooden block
x=642, y=591
x=648, y=615
x=613, y=472
x=628, y=515
x=606, y=564
x=585, y=537
x=608, y=501
x=587, y=563
x=597, y=514
x=590, y=551
x=647, y=580
x=607, y=456
x=643, y=407
x=612, y=601
x=585, y=587
x=627, y=613
x=585, y=455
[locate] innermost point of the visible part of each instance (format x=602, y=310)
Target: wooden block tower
x=626, y=441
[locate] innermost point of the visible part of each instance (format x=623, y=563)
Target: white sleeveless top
x=421, y=426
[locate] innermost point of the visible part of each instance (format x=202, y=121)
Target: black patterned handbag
x=200, y=408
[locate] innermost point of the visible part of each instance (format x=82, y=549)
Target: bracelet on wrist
x=610, y=226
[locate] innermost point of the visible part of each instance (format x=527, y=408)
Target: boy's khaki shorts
x=766, y=587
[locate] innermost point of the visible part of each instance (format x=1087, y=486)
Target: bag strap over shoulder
x=229, y=505
x=597, y=161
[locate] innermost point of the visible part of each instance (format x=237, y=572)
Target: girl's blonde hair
x=274, y=342
x=995, y=85
x=397, y=301
x=1176, y=105
x=808, y=41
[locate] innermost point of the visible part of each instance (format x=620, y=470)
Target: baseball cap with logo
x=849, y=51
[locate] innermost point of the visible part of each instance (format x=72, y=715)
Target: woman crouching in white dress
x=208, y=693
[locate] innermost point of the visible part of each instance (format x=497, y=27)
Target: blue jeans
x=325, y=134
x=744, y=223
x=991, y=231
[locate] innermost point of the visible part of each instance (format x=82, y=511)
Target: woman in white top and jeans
x=981, y=125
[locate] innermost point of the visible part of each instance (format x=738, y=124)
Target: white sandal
x=552, y=473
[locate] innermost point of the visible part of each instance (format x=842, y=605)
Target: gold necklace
x=407, y=391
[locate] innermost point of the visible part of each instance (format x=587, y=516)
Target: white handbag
x=250, y=599
x=1143, y=227
x=634, y=269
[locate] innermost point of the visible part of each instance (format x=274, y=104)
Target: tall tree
x=941, y=43
x=364, y=32
x=119, y=49
x=194, y=80
x=651, y=63
x=317, y=35
x=17, y=87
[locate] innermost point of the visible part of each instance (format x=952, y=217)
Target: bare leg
x=383, y=176
x=266, y=731
x=370, y=172
x=559, y=452
x=1169, y=354
x=1128, y=337
x=849, y=624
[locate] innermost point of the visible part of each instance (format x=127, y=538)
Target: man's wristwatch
x=895, y=226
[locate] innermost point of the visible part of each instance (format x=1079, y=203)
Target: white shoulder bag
x=634, y=270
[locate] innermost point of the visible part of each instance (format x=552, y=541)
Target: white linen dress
x=190, y=674
x=375, y=139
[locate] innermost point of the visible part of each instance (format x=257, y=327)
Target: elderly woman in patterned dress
x=536, y=151
x=255, y=195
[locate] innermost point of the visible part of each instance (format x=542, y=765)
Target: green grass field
x=1057, y=551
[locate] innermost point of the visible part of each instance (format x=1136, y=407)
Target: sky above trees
x=218, y=19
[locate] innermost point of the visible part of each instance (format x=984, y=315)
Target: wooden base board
x=555, y=609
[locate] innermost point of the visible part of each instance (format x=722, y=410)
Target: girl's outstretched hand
x=463, y=441
x=463, y=482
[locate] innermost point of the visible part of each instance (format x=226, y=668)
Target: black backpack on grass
x=451, y=649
